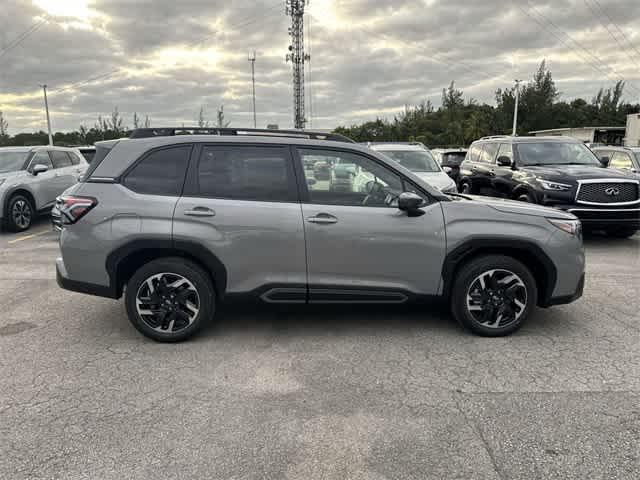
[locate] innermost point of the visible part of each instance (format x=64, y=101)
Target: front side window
x=246, y=173
x=40, y=158
x=414, y=160
x=621, y=160
x=555, y=153
x=161, y=172
x=488, y=153
x=365, y=183
x=60, y=159
x=505, y=151
x=12, y=161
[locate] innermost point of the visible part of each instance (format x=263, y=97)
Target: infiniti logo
x=612, y=191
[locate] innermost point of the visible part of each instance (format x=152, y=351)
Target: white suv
x=30, y=180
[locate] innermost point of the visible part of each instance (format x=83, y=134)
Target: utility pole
x=515, y=110
x=295, y=9
x=46, y=107
x=252, y=60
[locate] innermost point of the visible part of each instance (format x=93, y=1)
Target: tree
x=220, y=118
x=116, y=124
x=202, y=123
x=4, y=130
x=83, y=134
x=147, y=121
x=136, y=120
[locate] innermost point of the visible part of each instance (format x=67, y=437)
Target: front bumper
x=568, y=298
x=604, y=217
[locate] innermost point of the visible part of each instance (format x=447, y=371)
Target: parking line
x=27, y=237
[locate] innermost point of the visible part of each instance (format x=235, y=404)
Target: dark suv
x=558, y=172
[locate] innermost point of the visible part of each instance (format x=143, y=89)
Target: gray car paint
x=261, y=243
x=44, y=187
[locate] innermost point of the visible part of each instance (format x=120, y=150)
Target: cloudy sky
x=167, y=58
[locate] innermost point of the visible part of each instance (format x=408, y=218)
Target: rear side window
x=160, y=172
x=246, y=173
x=60, y=159
x=75, y=160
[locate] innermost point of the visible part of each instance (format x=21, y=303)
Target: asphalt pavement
x=331, y=393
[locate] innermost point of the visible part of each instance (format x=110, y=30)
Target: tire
x=622, y=232
x=20, y=214
x=526, y=197
x=510, y=293
x=179, y=311
x=465, y=188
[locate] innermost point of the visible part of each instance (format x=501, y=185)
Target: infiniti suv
x=559, y=172
x=179, y=224
x=30, y=180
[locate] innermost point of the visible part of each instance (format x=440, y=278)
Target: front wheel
x=526, y=197
x=465, y=188
x=169, y=299
x=493, y=295
x=20, y=213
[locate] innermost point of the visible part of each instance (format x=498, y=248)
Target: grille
x=606, y=192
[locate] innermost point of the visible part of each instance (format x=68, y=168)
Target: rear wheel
x=622, y=232
x=169, y=299
x=19, y=214
x=493, y=295
x=465, y=187
x=526, y=197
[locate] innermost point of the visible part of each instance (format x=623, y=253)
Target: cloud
x=166, y=59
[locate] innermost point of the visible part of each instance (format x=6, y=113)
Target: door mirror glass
x=504, y=161
x=605, y=161
x=39, y=168
x=410, y=202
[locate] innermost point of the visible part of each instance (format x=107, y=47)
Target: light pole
x=46, y=107
x=252, y=59
x=515, y=110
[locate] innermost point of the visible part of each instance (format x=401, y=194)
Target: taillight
x=73, y=208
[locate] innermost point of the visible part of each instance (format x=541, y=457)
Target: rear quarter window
x=160, y=172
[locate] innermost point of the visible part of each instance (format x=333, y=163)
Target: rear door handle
x=200, y=212
x=323, y=218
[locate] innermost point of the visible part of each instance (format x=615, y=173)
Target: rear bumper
x=81, y=287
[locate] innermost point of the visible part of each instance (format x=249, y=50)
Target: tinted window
x=366, y=183
x=488, y=154
x=75, y=160
x=452, y=159
x=60, y=159
x=505, y=151
x=621, y=160
x=246, y=173
x=555, y=153
x=414, y=160
x=161, y=172
x=41, y=158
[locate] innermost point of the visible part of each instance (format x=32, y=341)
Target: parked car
x=624, y=158
x=342, y=176
x=181, y=223
x=418, y=159
x=30, y=180
x=559, y=172
x=450, y=160
x=322, y=170
x=88, y=152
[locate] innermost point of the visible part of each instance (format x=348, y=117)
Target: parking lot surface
x=324, y=393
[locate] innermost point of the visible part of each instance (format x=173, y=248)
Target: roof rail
x=173, y=131
x=490, y=137
x=418, y=144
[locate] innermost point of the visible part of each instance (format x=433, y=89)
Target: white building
x=605, y=135
x=633, y=131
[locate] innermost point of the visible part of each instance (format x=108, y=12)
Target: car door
x=64, y=170
x=43, y=185
x=485, y=168
x=502, y=178
x=241, y=203
x=360, y=246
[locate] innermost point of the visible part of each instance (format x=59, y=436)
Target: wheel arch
x=122, y=263
x=528, y=253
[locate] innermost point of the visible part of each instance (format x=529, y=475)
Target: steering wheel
x=376, y=193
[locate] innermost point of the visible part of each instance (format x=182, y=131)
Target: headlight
x=572, y=227
x=555, y=186
x=451, y=188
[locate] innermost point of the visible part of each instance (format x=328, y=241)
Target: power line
x=624, y=35
x=23, y=36
x=604, y=24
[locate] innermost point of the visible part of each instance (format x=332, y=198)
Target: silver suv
x=30, y=180
x=181, y=223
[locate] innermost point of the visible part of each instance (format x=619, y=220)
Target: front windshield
x=12, y=161
x=414, y=160
x=555, y=153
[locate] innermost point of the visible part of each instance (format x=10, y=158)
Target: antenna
x=297, y=57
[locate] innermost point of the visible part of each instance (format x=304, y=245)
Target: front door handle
x=200, y=212
x=492, y=173
x=323, y=218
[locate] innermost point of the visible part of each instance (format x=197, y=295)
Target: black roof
x=172, y=131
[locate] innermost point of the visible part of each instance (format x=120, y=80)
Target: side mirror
x=446, y=170
x=39, y=168
x=504, y=161
x=410, y=202
x=605, y=161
